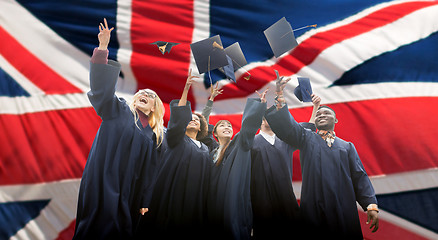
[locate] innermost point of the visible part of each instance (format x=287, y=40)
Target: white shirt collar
x=198, y=143
x=270, y=139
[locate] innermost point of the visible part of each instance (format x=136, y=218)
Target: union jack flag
x=374, y=62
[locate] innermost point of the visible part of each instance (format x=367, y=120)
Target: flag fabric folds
x=373, y=62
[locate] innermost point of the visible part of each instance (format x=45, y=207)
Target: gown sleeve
x=363, y=188
x=209, y=139
x=103, y=79
x=285, y=127
x=207, y=110
x=251, y=121
x=180, y=116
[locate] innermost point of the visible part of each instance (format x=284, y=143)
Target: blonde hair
x=155, y=120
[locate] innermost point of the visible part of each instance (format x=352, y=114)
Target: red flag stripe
x=32, y=68
x=52, y=136
x=151, y=68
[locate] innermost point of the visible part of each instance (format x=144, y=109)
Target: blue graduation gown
x=209, y=140
x=274, y=205
x=118, y=177
x=229, y=203
x=333, y=178
x=179, y=199
x=275, y=208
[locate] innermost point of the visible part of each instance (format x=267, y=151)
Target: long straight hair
x=222, y=152
x=155, y=118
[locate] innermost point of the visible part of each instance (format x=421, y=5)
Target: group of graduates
x=195, y=180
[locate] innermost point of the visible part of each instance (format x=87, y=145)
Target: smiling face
x=223, y=129
x=144, y=100
x=325, y=119
x=195, y=123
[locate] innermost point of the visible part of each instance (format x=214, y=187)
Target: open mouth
x=143, y=100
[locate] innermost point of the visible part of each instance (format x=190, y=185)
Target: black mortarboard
x=236, y=60
x=235, y=52
x=303, y=91
x=209, y=54
x=281, y=37
x=164, y=46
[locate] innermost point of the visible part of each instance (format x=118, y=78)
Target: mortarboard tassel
x=293, y=30
x=314, y=25
x=163, y=48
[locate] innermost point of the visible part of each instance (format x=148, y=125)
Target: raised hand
x=316, y=100
x=190, y=80
x=280, y=83
x=215, y=91
x=262, y=95
x=104, y=35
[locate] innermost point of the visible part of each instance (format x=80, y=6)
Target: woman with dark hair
x=229, y=202
x=178, y=201
x=117, y=181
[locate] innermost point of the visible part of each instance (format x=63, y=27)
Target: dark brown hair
x=203, y=128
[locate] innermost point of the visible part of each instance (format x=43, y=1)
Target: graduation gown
x=118, y=177
x=274, y=204
x=333, y=178
x=275, y=208
x=229, y=203
x=179, y=199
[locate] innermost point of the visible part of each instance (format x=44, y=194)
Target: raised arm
x=103, y=77
x=189, y=82
x=209, y=139
x=316, y=100
x=280, y=84
x=281, y=121
x=252, y=119
x=180, y=116
x=208, y=107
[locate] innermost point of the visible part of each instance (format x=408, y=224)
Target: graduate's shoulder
x=344, y=143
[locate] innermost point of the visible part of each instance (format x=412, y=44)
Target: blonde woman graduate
x=120, y=171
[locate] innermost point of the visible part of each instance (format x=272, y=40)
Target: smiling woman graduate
x=229, y=202
x=117, y=181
